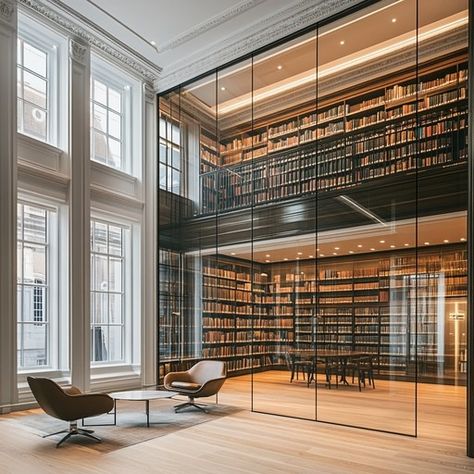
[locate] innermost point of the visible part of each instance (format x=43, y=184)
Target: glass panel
x=115, y=240
x=100, y=118
x=115, y=343
x=100, y=92
x=115, y=99
x=115, y=309
x=34, y=263
x=115, y=274
x=34, y=221
x=115, y=125
x=100, y=236
x=115, y=153
x=34, y=121
x=34, y=89
x=32, y=345
x=99, y=336
x=34, y=59
x=99, y=143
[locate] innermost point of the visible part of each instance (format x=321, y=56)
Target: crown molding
x=261, y=33
x=77, y=26
x=209, y=24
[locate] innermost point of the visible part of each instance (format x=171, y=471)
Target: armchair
x=69, y=405
x=204, y=379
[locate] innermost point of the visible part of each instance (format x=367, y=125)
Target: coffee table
x=138, y=396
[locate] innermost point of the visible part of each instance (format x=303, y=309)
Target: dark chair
x=363, y=367
x=295, y=366
x=203, y=379
x=69, y=405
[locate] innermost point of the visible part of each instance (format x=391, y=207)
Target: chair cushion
x=185, y=385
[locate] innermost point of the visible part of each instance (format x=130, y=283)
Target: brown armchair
x=69, y=405
x=204, y=379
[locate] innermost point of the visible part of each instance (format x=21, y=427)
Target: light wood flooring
x=257, y=443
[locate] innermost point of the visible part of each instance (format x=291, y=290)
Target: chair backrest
x=50, y=396
x=207, y=370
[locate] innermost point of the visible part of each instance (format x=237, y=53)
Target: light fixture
x=297, y=258
x=310, y=256
x=267, y=261
x=222, y=88
x=394, y=20
x=267, y=255
x=285, y=259
x=359, y=245
x=153, y=43
x=126, y=87
x=342, y=42
x=446, y=241
x=321, y=255
x=317, y=250
x=427, y=243
x=336, y=248
x=372, y=249
x=264, y=274
x=279, y=67
x=232, y=253
x=392, y=246
x=300, y=253
x=351, y=251
x=361, y=209
x=382, y=241
x=406, y=245
x=462, y=239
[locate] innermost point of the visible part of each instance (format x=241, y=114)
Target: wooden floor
x=256, y=443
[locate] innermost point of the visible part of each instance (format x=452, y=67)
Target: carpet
x=131, y=424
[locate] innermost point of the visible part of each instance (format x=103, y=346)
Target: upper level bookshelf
x=395, y=126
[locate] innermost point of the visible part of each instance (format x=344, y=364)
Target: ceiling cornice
x=83, y=28
x=261, y=33
x=209, y=24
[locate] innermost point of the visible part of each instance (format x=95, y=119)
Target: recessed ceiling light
x=302, y=273
x=300, y=253
x=392, y=246
x=232, y=253
x=334, y=253
x=222, y=88
x=264, y=274
x=446, y=241
x=317, y=250
x=351, y=251
x=279, y=67
x=406, y=245
x=382, y=241
x=285, y=259
x=310, y=256
x=297, y=258
x=153, y=43
x=372, y=249
x=321, y=255
x=267, y=255
x=427, y=243
x=394, y=20
x=342, y=42
x=462, y=239
x=360, y=246
x=336, y=248
x=267, y=261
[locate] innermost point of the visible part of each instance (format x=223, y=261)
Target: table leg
x=147, y=404
x=115, y=411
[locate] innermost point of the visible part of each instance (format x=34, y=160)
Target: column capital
x=7, y=12
x=78, y=51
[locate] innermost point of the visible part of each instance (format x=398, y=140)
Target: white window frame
x=131, y=304
x=57, y=301
x=55, y=46
x=130, y=88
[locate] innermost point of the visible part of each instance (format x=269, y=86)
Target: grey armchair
x=69, y=405
x=204, y=379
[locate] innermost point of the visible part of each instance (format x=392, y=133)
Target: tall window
x=108, y=295
x=33, y=75
x=33, y=289
x=170, y=155
x=107, y=122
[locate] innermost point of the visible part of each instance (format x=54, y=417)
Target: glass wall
x=313, y=203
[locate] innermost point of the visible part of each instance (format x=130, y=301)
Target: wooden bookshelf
x=395, y=127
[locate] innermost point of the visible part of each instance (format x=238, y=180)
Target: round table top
x=142, y=395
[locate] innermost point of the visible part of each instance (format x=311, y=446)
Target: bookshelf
x=394, y=127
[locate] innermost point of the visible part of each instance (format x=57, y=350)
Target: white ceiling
x=183, y=30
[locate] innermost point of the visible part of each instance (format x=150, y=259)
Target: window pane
x=19, y=263
x=19, y=82
x=35, y=224
x=19, y=119
x=34, y=303
x=99, y=308
x=34, y=89
x=163, y=150
x=115, y=125
x=176, y=158
x=175, y=137
x=34, y=121
x=115, y=99
x=162, y=128
x=100, y=237
x=115, y=153
x=115, y=240
x=100, y=278
x=115, y=274
x=99, y=143
x=176, y=182
x=115, y=343
x=34, y=264
x=100, y=118
x=32, y=345
x=34, y=59
x=162, y=176
x=99, y=340
x=115, y=314
x=100, y=92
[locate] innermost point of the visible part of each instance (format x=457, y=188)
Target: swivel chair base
x=73, y=431
x=190, y=403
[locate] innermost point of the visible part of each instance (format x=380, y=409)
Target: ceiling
x=170, y=34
